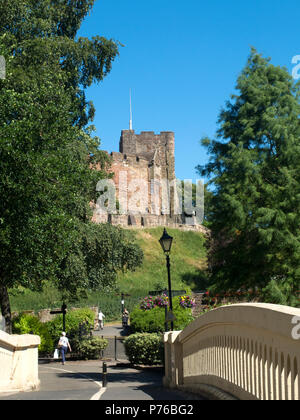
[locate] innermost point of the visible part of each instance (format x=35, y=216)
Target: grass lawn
x=188, y=263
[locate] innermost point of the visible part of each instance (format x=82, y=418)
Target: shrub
x=153, y=321
x=73, y=319
x=147, y=321
x=90, y=348
x=144, y=349
x=30, y=324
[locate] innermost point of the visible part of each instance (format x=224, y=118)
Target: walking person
x=125, y=318
x=64, y=346
x=101, y=317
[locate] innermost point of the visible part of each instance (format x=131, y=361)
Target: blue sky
x=181, y=59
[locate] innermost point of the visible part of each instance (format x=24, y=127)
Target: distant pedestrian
x=125, y=318
x=64, y=346
x=101, y=317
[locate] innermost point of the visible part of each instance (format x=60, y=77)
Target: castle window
x=137, y=159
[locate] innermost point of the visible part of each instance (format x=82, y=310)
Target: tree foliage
x=255, y=170
x=47, y=151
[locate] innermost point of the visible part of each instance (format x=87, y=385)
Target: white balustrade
x=246, y=350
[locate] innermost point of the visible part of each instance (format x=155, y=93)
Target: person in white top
x=101, y=317
x=64, y=345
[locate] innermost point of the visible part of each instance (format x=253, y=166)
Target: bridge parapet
x=250, y=351
x=18, y=362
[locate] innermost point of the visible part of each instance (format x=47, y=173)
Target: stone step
x=198, y=309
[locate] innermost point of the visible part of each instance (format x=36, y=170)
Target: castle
x=144, y=183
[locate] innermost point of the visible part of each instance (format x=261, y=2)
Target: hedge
x=90, y=348
x=153, y=320
x=30, y=324
x=49, y=332
x=144, y=349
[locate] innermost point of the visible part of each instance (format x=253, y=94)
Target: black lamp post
x=122, y=302
x=63, y=311
x=166, y=244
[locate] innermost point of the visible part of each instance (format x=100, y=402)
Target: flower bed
x=187, y=302
x=150, y=302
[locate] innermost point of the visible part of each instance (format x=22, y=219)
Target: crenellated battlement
x=129, y=159
x=141, y=168
x=147, y=143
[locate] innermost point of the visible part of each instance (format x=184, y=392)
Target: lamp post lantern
x=122, y=302
x=166, y=244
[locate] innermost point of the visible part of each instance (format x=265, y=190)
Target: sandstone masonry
x=145, y=164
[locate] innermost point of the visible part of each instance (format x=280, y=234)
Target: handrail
x=246, y=350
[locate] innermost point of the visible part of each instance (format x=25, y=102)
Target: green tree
x=47, y=151
x=255, y=170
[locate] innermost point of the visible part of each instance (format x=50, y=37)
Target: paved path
x=73, y=381
x=112, y=330
x=128, y=384
x=115, y=348
x=83, y=381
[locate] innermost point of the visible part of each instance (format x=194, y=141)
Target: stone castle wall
x=154, y=147
x=140, y=167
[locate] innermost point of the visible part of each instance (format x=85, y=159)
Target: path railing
x=115, y=349
x=251, y=351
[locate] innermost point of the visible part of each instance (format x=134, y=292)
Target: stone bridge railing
x=250, y=351
x=18, y=362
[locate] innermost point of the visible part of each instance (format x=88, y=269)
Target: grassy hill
x=188, y=263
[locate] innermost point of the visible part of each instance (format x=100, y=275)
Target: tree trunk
x=5, y=308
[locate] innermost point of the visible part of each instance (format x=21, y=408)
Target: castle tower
x=158, y=150
x=143, y=169
x=149, y=145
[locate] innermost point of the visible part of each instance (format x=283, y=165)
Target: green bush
x=147, y=321
x=30, y=324
x=89, y=348
x=153, y=321
x=144, y=349
x=73, y=319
